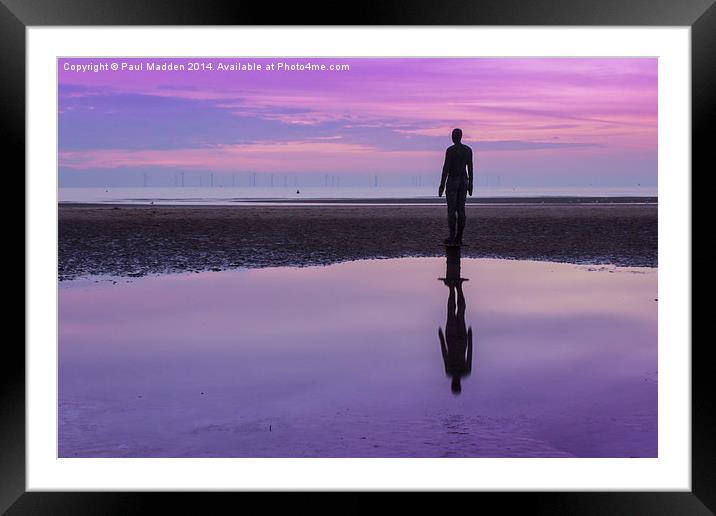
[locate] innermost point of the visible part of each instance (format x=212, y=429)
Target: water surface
x=347, y=361
x=232, y=195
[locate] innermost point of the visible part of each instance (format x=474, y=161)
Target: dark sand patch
x=138, y=240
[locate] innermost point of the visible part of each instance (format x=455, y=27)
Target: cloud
x=383, y=115
x=297, y=156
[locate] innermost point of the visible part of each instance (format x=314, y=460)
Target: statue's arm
x=443, y=178
x=469, y=172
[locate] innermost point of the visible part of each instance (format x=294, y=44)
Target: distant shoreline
x=414, y=201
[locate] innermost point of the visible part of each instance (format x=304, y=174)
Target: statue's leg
x=460, y=208
x=451, y=195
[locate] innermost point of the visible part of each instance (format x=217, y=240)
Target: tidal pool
x=362, y=359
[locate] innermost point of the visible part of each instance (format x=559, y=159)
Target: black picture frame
x=17, y=15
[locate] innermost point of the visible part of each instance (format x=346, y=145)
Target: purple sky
x=556, y=121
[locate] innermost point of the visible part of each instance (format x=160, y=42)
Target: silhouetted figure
x=456, y=182
x=456, y=342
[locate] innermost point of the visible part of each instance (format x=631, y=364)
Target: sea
x=227, y=195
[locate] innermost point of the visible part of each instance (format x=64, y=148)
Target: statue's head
x=455, y=387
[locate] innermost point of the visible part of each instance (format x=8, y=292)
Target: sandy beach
x=138, y=240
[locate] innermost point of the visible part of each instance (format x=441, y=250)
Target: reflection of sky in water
x=345, y=361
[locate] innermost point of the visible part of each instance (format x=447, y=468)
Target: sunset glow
x=556, y=120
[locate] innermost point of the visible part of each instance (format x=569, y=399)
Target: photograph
x=359, y=257
x=423, y=248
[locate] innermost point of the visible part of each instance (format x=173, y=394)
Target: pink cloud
x=608, y=103
x=295, y=156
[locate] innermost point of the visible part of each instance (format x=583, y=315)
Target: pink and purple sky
x=533, y=121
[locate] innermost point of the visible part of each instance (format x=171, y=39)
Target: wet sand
x=126, y=240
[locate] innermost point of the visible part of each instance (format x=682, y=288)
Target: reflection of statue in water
x=456, y=342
